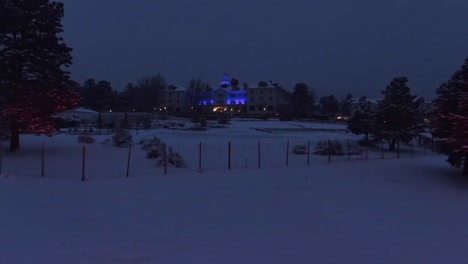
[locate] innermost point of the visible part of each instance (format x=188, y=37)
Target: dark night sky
x=335, y=46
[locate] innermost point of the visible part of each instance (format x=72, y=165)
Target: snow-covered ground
x=408, y=210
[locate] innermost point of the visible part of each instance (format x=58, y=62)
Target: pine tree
x=345, y=106
x=362, y=121
x=397, y=117
x=302, y=100
x=32, y=61
x=329, y=105
x=458, y=140
x=450, y=118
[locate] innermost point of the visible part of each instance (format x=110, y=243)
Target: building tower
x=225, y=81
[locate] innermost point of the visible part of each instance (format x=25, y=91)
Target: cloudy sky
x=335, y=46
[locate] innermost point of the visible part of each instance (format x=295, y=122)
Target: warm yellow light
x=339, y=118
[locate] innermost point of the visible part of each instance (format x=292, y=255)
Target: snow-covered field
x=408, y=210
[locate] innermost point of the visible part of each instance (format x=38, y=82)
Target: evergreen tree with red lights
x=33, y=83
x=450, y=122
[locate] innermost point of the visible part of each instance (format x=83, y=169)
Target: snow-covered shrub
x=324, y=148
x=122, y=138
x=154, y=147
x=173, y=158
x=300, y=149
x=86, y=138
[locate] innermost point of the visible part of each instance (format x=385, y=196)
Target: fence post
x=199, y=156
x=259, y=154
x=165, y=158
x=432, y=143
x=128, y=160
x=329, y=151
x=287, y=153
x=308, y=152
x=83, y=163
x=349, y=158
x=229, y=155
x=42, y=160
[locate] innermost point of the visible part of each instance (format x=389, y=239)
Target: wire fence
x=95, y=161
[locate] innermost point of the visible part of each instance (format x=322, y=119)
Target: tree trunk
x=391, y=144
x=14, y=140
x=465, y=165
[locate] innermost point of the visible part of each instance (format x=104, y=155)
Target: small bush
x=86, y=138
x=323, y=148
x=154, y=147
x=174, y=159
x=121, y=138
x=300, y=149
x=155, y=150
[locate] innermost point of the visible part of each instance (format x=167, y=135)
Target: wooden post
x=42, y=160
x=329, y=151
x=308, y=152
x=432, y=143
x=287, y=153
x=229, y=155
x=259, y=154
x=349, y=158
x=165, y=158
x=199, y=156
x=128, y=160
x=83, y=178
